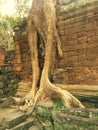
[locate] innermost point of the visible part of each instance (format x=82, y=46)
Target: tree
x=7, y=22
x=42, y=33
x=6, y=32
x=22, y=7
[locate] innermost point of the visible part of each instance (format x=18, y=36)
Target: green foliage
x=22, y=7
x=8, y=22
x=6, y=32
x=58, y=105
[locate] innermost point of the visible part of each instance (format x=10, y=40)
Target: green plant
x=58, y=105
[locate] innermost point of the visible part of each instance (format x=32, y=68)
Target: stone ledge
x=12, y=119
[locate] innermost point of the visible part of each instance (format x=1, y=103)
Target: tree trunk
x=42, y=25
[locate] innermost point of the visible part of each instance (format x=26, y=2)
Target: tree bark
x=42, y=23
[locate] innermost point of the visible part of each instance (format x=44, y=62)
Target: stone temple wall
x=2, y=55
x=8, y=77
x=77, y=25
x=22, y=52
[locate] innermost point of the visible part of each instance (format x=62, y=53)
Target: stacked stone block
x=78, y=29
x=8, y=78
x=22, y=52
x=2, y=55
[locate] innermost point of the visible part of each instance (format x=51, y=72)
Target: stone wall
x=77, y=25
x=8, y=77
x=22, y=53
x=2, y=55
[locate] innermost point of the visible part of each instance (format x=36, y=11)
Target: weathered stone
x=35, y=128
x=12, y=119
x=2, y=55
x=49, y=119
x=8, y=79
x=24, y=125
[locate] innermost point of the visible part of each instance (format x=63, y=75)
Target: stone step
x=40, y=127
x=33, y=128
x=25, y=125
x=12, y=119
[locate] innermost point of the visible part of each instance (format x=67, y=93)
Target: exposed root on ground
x=52, y=92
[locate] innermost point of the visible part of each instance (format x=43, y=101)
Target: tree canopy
x=7, y=22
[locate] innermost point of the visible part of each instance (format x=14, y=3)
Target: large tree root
x=52, y=92
x=68, y=100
